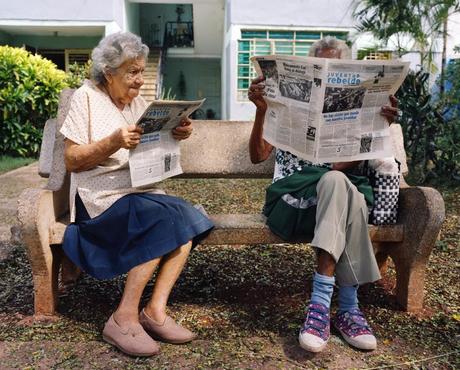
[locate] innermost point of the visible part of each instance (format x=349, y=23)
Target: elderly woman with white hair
x=335, y=218
x=117, y=228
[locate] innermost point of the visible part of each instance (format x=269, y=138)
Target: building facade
x=200, y=48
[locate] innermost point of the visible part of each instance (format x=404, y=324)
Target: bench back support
x=221, y=149
x=215, y=149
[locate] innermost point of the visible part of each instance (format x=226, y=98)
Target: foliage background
x=431, y=120
x=431, y=126
x=29, y=93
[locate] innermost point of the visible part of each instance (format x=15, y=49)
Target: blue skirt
x=135, y=229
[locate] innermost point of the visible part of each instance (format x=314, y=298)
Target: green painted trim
x=52, y=42
x=4, y=38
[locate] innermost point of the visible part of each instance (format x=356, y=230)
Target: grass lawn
x=245, y=303
x=8, y=163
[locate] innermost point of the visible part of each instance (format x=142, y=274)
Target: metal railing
x=178, y=34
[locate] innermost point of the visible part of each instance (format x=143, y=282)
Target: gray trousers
x=341, y=230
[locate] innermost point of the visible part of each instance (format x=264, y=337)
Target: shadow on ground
x=245, y=303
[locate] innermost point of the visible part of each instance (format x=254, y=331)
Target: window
x=374, y=54
x=380, y=55
x=63, y=58
x=79, y=56
x=56, y=56
x=266, y=42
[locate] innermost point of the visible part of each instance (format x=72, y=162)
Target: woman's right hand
x=128, y=137
x=256, y=93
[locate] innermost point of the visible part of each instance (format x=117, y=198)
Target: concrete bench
x=219, y=149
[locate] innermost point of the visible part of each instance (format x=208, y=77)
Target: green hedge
x=29, y=94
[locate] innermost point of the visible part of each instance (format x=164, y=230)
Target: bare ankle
x=157, y=314
x=123, y=317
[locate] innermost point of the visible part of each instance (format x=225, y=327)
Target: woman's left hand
x=391, y=112
x=184, y=130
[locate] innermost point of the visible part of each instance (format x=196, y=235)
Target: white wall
x=49, y=10
x=208, y=23
x=69, y=18
x=303, y=13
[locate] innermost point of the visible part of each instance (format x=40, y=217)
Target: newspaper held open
x=157, y=156
x=328, y=110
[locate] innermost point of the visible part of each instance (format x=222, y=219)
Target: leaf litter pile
x=245, y=303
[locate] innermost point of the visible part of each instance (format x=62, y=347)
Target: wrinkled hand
x=128, y=137
x=391, y=112
x=184, y=130
x=256, y=93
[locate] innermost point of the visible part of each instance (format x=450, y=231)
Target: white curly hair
x=330, y=42
x=112, y=51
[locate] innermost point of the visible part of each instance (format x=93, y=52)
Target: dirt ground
x=245, y=303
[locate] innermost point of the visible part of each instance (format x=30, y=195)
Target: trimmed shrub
x=29, y=94
x=77, y=74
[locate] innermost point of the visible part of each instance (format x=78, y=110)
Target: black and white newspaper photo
x=293, y=90
x=328, y=110
x=157, y=156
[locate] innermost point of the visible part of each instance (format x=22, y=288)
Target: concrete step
x=149, y=89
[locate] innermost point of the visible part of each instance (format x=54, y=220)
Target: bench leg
x=36, y=215
x=381, y=257
x=69, y=272
x=422, y=213
x=410, y=281
x=45, y=279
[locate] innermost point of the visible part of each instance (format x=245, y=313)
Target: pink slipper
x=132, y=339
x=168, y=331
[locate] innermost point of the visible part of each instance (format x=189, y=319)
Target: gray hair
x=330, y=42
x=112, y=51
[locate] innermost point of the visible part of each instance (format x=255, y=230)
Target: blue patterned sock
x=323, y=286
x=348, y=298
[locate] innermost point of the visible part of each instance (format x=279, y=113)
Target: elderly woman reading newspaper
x=117, y=228
x=334, y=212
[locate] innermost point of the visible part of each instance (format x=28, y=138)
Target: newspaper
x=328, y=110
x=157, y=156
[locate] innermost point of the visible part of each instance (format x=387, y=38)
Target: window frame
x=69, y=52
x=297, y=41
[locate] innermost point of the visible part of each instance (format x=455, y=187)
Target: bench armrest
x=422, y=212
